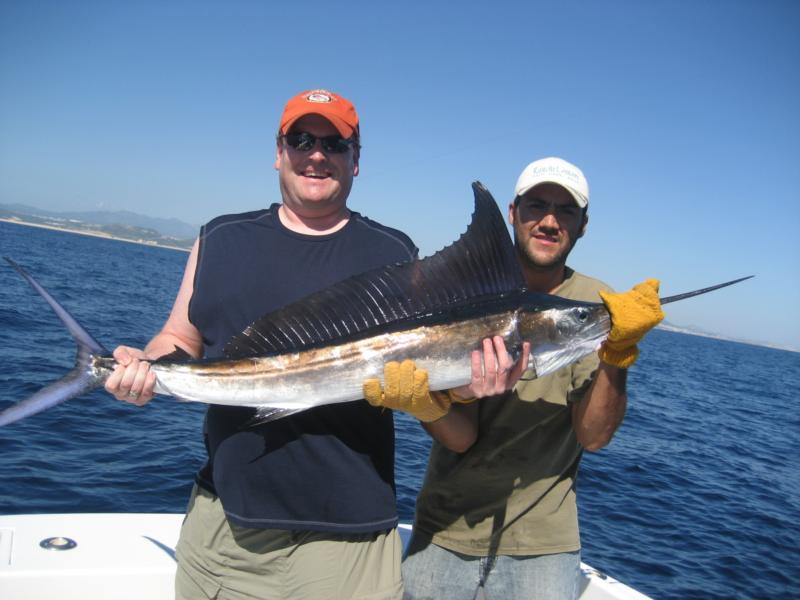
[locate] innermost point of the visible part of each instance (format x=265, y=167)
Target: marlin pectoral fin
x=683, y=296
x=266, y=414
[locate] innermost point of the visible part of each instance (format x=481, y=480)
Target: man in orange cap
x=302, y=507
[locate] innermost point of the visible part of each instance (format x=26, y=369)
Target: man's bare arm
x=596, y=417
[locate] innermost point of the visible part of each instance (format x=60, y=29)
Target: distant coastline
x=92, y=233
x=669, y=327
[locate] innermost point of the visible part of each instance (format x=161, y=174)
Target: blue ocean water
x=696, y=497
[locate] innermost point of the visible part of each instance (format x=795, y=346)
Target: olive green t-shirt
x=513, y=491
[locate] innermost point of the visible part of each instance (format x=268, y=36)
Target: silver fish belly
x=336, y=373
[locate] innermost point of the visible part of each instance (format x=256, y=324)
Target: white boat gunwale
x=131, y=556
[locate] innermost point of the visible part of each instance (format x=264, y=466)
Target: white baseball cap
x=558, y=171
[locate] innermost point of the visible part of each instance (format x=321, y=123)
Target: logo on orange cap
x=336, y=109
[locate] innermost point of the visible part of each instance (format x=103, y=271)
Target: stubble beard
x=534, y=263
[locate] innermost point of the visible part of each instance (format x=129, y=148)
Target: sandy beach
x=90, y=232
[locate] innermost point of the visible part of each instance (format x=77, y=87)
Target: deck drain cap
x=58, y=543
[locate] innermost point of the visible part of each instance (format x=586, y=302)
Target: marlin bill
x=320, y=349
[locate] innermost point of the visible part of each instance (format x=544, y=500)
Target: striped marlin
x=319, y=350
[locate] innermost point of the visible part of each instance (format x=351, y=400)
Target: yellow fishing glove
x=633, y=314
x=407, y=390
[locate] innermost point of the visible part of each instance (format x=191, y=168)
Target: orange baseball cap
x=338, y=110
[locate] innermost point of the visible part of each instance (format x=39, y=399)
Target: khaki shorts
x=222, y=561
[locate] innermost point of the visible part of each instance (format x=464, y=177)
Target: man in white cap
x=497, y=513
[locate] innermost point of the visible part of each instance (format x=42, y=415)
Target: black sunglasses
x=304, y=142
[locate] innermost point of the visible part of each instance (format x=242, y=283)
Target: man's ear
x=511, y=207
x=585, y=223
x=278, y=156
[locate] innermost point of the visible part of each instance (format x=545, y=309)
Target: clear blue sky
x=684, y=115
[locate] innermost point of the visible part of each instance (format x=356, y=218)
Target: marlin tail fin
x=78, y=381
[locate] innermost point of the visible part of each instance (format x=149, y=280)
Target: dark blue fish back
x=482, y=262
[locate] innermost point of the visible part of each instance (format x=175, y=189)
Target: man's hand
x=633, y=314
x=493, y=371
x=132, y=380
x=406, y=389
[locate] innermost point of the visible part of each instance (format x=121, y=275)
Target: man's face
x=547, y=223
x=314, y=181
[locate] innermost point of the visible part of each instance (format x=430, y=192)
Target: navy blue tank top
x=329, y=468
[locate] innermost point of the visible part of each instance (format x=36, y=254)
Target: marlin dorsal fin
x=481, y=262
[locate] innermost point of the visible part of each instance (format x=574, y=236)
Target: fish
x=320, y=349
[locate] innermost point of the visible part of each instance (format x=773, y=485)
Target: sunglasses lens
x=335, y=144
x=300, y=141
x=304, y=142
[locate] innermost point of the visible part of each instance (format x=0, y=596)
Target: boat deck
x=131, y=556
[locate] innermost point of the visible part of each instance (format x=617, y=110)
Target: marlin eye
x=582, y=314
